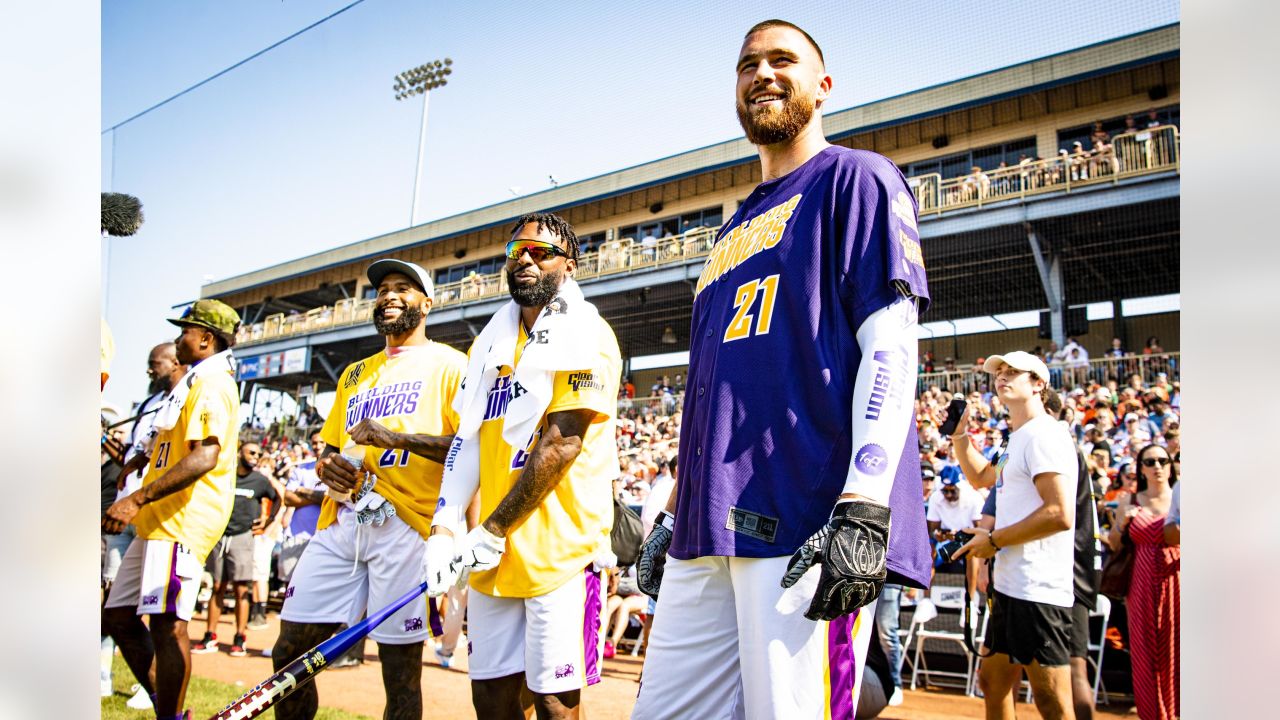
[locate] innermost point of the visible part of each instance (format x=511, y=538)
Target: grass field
x=204, y=698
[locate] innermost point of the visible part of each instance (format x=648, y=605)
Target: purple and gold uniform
x=766, y=443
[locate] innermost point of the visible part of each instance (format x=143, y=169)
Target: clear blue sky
x=304, y=148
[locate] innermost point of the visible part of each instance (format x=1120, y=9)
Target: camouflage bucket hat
x=212, y=314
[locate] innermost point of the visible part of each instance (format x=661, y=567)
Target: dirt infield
x=447, y=692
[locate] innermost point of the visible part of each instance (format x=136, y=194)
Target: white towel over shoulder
x=563, y=338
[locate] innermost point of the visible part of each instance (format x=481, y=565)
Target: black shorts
x=1026, y=630
x=1079, y=630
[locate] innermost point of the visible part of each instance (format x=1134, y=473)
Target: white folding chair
x=924, y=612
x=946, y=597
x=1102, y=609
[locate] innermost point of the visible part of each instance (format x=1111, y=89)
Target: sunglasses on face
x=538, y=250
x=1152, y=462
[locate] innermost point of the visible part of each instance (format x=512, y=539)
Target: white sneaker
x=140, y=700
x=444, y=660
x=896, y=698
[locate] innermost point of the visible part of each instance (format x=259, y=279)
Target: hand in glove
x=438, y=568
x=850, y=549
x=479, y=550
x=653, y=555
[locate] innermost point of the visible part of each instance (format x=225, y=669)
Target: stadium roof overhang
x=937, y=101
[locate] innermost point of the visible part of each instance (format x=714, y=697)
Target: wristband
x=991, y=538
x=666, y=520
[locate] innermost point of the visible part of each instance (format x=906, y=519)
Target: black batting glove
x=653, y=554
x=851, y=551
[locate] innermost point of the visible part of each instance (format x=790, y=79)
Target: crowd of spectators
x=1126, y=426
x=1096, y=157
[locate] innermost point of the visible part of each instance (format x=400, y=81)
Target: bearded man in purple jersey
x=799, y=491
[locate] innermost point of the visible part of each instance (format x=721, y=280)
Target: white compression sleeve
x=883, y=398
x=461, y=478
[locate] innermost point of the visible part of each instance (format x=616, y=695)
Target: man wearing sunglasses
x=536, y=437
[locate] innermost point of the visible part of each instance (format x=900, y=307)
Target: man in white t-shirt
x=954, y=507
x=1033, y=542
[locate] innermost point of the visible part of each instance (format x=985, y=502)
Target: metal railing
x=1128, y=155
x=970, y=378
x=613, y=257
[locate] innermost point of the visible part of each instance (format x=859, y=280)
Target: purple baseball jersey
x=766, y=434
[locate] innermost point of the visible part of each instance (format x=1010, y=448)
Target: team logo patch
x=871, y=459
x=413, y=624
x=353, y=375
x=564, y=671
x=910, y=249
x=151, y=600
x=903, y=210
x=585, y=379
x=288, y=593
x=752, y=524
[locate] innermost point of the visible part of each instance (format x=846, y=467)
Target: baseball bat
x=304, y=669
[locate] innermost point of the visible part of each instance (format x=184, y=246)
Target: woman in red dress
x=1153, y=599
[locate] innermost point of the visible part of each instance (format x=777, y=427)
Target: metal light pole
x=421, y=81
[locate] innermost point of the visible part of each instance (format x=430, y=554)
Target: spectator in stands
x=976, y=185
x=1153, y=119
x=1001, y=183
x=1059, y=169
x=951, y=511
x=1079, y=161
x=1153, y=600
x=1028, y=179
x=1102, y=160
x=1077, y=366
x=648, y=244
x=625, y=600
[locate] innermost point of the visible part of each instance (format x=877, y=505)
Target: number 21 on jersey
x=744, y=300
x=162, y=455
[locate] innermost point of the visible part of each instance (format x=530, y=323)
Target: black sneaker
x=206, y=645
x=257, y=618
x=237, y=647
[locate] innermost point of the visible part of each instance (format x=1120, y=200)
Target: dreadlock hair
x=766, y=24
x=555, y=224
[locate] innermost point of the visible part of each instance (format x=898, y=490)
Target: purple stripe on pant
x=843, y=669
x=175, y=583
x=433, y=617
x=591, y=620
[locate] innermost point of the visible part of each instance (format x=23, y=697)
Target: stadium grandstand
x=1062, y=172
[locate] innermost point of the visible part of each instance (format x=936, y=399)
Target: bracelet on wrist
x=991, y=538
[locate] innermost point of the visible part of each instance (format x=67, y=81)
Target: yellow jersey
x=407, y=390
x=562, y=535
x=196, y=515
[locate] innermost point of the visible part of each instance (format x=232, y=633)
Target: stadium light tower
x=421, y=80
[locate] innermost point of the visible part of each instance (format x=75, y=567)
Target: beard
x=408, y=320
x=538, y=294
x=158, y=383
x=770, y=127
